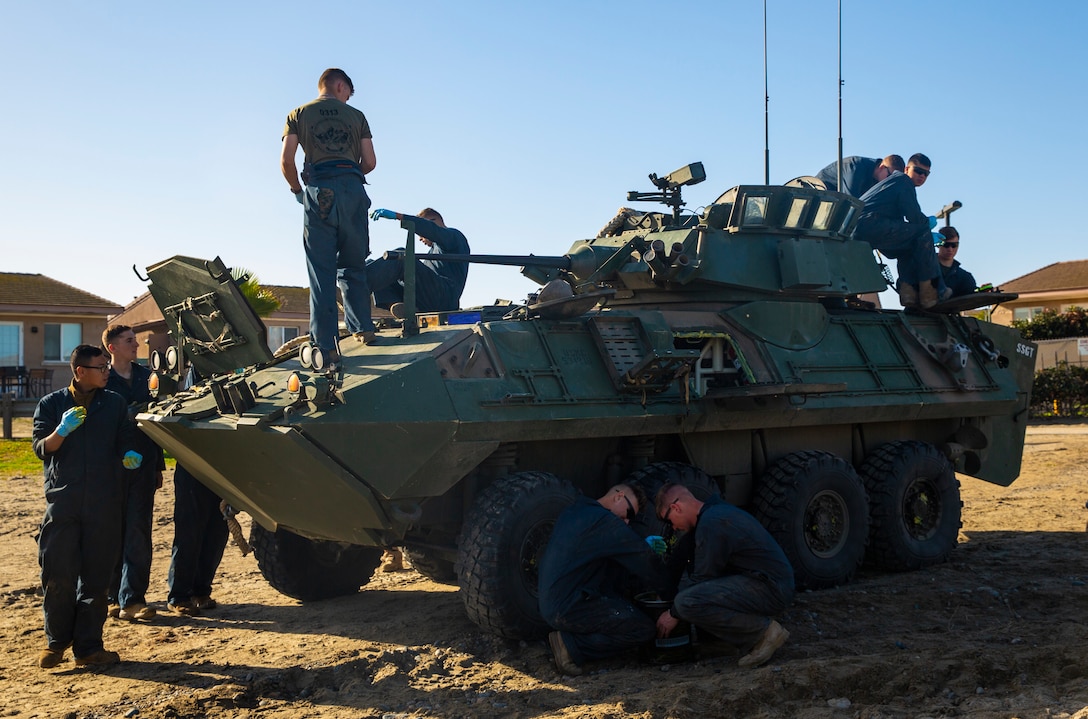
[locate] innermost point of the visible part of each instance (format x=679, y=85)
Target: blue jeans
x=200, y=535
x=132, y=575
x=336, y=237
x=736, y=609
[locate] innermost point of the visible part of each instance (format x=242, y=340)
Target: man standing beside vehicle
x=339, y=152
x=83, y=436
x=128, y=588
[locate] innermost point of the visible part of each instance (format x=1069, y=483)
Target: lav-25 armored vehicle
x=727, y=350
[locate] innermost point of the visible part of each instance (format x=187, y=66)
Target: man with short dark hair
x=339, y=152
x=739, y=576
x=83, y=436
x=959, y=280
x=438, y=284
x=858, y=173
x=591, y=559
x=128, y=378
x=918, y=169
x=893, y=223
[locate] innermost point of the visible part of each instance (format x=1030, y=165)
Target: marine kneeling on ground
x=738, y=579
x=588, y=571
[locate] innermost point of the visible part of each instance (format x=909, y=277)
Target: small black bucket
x=678, y=646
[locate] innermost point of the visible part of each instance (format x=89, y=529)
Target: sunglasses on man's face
x=919, y=171
x=953, y=245
x=631, y=513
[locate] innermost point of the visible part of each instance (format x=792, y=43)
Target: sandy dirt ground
x=1001, y=630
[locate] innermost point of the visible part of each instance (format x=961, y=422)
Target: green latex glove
x=70, y=420
x=657, y=543
x=132, y=460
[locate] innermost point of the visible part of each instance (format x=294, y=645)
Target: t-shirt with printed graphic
x=328, y=129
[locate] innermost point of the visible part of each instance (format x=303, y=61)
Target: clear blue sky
x=136, y=131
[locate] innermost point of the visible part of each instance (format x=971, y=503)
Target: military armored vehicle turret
x=728, y=350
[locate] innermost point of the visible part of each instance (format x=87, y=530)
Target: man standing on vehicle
x=339, y=152
x=858, y=173
x=592, y=558
x=739, y=576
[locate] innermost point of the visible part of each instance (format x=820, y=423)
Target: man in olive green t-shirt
x=339, y=152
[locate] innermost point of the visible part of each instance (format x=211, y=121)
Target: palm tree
x=263, y=302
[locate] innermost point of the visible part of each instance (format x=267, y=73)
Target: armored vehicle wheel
x=651, y=478
x=915, y=504
x=814, y=505
x=434, y=568
x=308, y=569
x=501, y=543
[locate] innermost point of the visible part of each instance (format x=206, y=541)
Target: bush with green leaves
x=1054, y=325
x=1060, y=391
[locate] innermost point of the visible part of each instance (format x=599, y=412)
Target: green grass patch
x=17, y=458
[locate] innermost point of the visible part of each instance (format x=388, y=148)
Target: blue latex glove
x=70, y=420
x=657, y=543
x=132, y=460
x=932, y=221
x=938, y=238
x=380, y=213
x=298, y=196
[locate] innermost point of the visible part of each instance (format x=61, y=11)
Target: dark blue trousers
x=200, y=536
x=78, y=546
x=736, y=609
x=601, y=627
x=432, y=292
x=132, y=575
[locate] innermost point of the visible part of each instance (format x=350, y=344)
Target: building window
x=61, y=340
x=11, y=344
x=279, y=336
x=1026, y=313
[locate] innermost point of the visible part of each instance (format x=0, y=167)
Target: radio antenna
x=839, y=173
x=766, y=108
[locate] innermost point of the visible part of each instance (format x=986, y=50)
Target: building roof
x=18, y=289
x=292, y=299
x=1069, y=275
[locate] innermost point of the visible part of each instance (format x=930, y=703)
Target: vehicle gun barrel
x=562, y=262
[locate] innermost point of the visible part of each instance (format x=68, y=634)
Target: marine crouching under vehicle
x=726, y=351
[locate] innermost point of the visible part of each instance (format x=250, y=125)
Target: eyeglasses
x=631, y=513
x=668, y=511
x=918, y=170
x=101, y=368
x=953, y=245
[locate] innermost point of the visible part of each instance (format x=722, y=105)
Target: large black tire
x=499, y=551
x=311, y=570
x=434, y=568
x=814, y=505
x=914, y=500
x=651, y=478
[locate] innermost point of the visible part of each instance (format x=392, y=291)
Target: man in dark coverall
x=739, y=576
x=128, y=378
x=858, y=173
x=959, y=280
x=200, y=536
x=893, y=223
x=83, y=436
x=438, y=284
x=592, y=557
